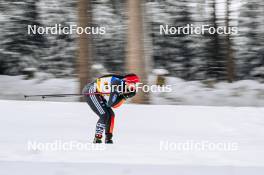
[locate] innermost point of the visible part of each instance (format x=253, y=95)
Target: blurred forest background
x=132, y=42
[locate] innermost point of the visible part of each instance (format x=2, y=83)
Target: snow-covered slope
x=240, y=93
x=141, y=134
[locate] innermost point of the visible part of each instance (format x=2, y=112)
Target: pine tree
x=85, y=48
x=60, y=51
x=135, y=48
x=111, y=15
x=21, y=49
x=229, y=56
x=249, y=43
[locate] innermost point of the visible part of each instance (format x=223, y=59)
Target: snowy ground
x=241, y=93
x=139, y=132
x=15, y=87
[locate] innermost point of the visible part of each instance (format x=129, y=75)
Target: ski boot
x=108, y=138
x=97, y=138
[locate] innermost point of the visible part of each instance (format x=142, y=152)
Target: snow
x=139, y=131
x=15, y=87
x=160, y=71
x=240, y=93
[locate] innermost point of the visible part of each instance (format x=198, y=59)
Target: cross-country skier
x=110, y=91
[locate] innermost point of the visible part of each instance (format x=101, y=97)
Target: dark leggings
x=105, y=113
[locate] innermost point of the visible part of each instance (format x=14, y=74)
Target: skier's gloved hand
x=113, y=98
x=129, y=95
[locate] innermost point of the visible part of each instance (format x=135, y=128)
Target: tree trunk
x=214, y=62
x=85, y=49
x=230, y=59
x=135, y=61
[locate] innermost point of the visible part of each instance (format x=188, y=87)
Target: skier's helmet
x=132, y=78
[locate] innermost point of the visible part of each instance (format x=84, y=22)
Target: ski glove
x=129, y=95
x=114, y=99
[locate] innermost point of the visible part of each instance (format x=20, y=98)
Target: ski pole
x=62, y=95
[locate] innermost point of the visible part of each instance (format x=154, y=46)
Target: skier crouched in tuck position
x=107, y=92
